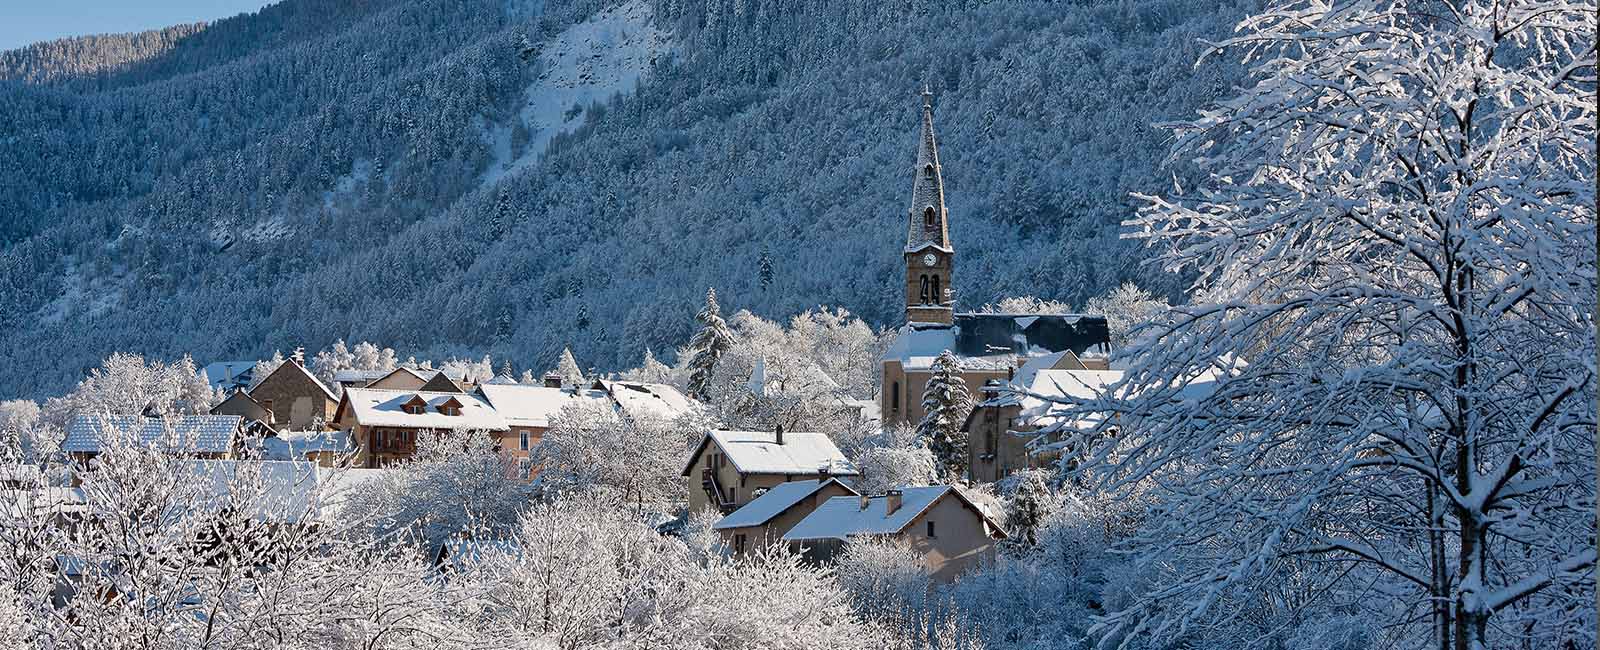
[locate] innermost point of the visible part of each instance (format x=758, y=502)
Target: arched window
x=927, y=170
x=927, y=217
x=894, y=398
x=938, y=298
x=925, y=293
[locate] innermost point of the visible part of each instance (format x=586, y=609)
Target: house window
x=523, y=467
x=730, y=496
x=414, y=409
x=930, y=531
x=738, y=543
x=523, y=442
x=894, y=398
x=927, y=217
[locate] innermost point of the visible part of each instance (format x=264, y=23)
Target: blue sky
x=28, y=21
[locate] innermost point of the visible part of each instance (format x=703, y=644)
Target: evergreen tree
x=571, y=374
x=582, y=320
x=707, y=347
x=505, y=369
x=945, y=403
x=765, y=269
x=1031, y=502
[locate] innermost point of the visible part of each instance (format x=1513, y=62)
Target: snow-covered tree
x=592, y=448
x=1026, y=305
x=265, y=367
x=945, y=404
x=1383, y=398
x=895, y=457
x=1126, y=308
x=128, y=384
x=650, y=371
x=1028, y=503
x=456, y=484
x=567, y=367
x=707, y=347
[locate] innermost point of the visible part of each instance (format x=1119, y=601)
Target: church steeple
x=930, y=259
x=928, y=222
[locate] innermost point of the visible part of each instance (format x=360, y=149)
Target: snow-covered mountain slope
x=481, y=176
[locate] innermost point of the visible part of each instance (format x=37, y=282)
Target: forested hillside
x=378, y=170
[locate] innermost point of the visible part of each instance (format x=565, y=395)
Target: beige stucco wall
x=911, y=384
x=960, y=542
x=988, y=433
x=398, y=381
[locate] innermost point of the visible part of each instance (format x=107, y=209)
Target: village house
x=324, y=448
x=352, y=378
x=296, y=399
x=766, y=518
x=195, y=436
x=641, y=399
x=987, y=346
x=527, y=412
x=401, y=378
x=229, y=377
x=1014, y=425
x=384, y=424
x=945, y=529
x=732, y=465
x=240, y=403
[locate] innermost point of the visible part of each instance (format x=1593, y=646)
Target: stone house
x=240, y=403
x=384, y=424
x=1015, y=424
x=296, y=399
x=730, y=466
x=766, y=518
x=948, y=531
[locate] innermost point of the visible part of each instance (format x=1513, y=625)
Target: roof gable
x=843, y=517
x=386, y=408
x=776, y=501
x=290, y=371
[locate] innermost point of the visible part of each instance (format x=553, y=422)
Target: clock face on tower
x=929, y=260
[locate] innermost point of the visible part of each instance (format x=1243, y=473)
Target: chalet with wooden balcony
x=728, y=467
x=385, y=424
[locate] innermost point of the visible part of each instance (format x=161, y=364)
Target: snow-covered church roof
x=994, y=341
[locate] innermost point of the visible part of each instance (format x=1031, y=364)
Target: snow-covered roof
x=386, y=408
x=757, y=452
x=774, y=502
x=501, y=380
x=639, y=398
x=347, y=376
x=227, y=374
x=533, y=406
x=274, y=490
x=995, y=341
x=180, y=433
x=842, y=517
x=294, y=445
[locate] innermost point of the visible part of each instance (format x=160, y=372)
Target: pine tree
x=582, y=319
x=571, y=373
x=765, y=268
x=707, y=346
x=505, y=369
x=945, y=403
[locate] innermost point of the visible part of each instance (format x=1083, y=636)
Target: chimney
x=865, y=501
x=991, y=389
x=552, y=380
x=299, y=357
x=778, y=431
x=893, y=497
x=824, y=472
x=1011, y=373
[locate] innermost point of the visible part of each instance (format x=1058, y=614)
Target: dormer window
x=927, y=217
x=450, y=406
x=415, y=406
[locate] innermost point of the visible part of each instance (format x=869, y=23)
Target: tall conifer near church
x=707, y=346
x=945, y=404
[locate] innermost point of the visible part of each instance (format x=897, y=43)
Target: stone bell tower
x=930, y=260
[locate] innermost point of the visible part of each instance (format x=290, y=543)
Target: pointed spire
x=928, y=220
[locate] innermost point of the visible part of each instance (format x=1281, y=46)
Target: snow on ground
x=589, y=62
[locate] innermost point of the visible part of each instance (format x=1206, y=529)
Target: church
x=988, y=346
